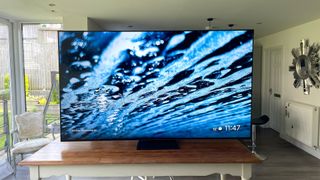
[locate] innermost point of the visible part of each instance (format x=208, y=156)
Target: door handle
x=277, y=95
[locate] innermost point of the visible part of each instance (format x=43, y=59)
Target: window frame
x=21, y=44
x=12, y=71
x=17, y=80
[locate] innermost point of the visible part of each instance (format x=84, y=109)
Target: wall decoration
x=306, y=66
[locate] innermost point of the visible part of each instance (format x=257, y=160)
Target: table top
x=124, y=152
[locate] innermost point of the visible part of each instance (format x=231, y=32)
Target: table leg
x=246, y=171
x=34, y=173
x=223, y=177
x=68, y=177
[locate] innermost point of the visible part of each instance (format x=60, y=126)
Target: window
x=40, y=50
x=4, y=78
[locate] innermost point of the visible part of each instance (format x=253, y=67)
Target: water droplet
x=74, y=80
x=81, y=54
x=138, y=70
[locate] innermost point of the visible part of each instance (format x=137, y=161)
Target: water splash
x=133, y=85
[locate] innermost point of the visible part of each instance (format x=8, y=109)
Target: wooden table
x=120, y=158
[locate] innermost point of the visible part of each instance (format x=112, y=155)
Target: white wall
x=93, y=26
x=75, y=23
x=289, y=39
x=80, y=23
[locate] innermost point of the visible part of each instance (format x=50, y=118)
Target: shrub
x=42, y=101
x=26, y=84
x=55, y=94
x=55, y=97
x=6, y=93
x=6, y=81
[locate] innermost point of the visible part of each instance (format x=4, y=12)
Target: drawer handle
x=277, y=95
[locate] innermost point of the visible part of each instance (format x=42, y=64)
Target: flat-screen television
x=155, y=84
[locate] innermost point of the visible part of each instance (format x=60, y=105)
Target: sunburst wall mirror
x=306, y=66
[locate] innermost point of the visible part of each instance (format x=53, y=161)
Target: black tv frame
x=147, y=140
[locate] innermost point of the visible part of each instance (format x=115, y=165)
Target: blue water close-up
x=169, y=84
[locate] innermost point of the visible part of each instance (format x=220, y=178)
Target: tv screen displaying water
x=155, y=84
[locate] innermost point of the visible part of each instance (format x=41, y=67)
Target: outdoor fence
x=40, y=49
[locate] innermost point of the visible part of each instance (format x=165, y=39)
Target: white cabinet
x=302, y=123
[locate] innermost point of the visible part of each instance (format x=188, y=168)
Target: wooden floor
x=285, y=162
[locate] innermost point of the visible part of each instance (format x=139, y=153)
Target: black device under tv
x=155, y=86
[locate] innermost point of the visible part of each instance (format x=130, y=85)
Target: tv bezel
x=114, y=139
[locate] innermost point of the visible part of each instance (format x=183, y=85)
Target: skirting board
x=312, y=151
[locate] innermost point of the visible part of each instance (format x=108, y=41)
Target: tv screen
x=155, y=84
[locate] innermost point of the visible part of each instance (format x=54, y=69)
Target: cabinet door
x=303, y=125
x=299, y=122
x=288, y=122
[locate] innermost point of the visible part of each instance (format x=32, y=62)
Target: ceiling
x=275, y=15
